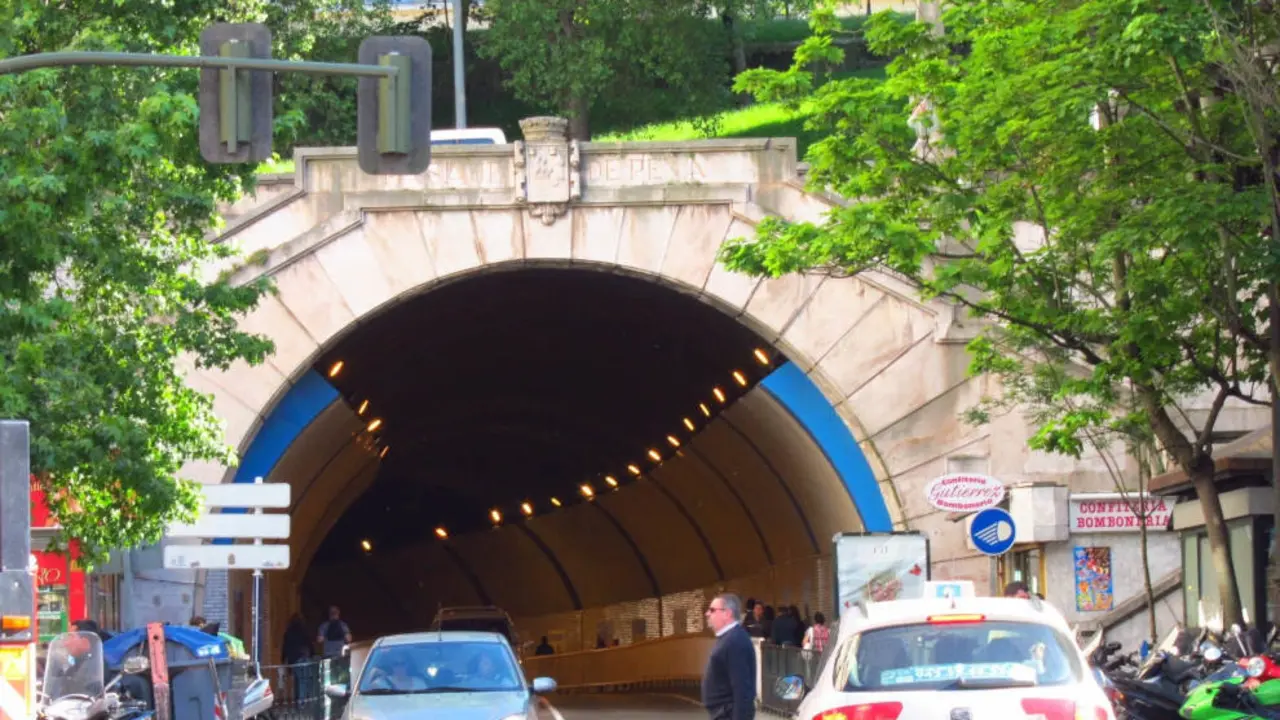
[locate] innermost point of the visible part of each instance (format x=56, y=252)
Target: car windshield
x=437, y=667
x=956, y=656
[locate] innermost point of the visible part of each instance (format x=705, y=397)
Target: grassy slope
x=764, y=120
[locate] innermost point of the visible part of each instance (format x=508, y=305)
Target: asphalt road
x=623, y=707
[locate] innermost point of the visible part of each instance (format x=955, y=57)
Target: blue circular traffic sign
x=992, y=531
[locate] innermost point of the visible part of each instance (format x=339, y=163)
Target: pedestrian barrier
x=299, y=689
x=776, y=662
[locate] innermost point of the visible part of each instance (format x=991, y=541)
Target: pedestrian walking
x=729, y=681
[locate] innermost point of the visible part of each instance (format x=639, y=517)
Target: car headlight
x=1255, y=667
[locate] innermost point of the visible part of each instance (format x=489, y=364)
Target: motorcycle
x=73, y=685
x=1247, y=688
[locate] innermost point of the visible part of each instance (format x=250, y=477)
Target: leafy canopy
x=104, y=208
x=583, y=56
x=1050, y=166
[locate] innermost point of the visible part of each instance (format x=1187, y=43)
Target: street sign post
x=255, y=526
x=17, y=576
x=992, y=531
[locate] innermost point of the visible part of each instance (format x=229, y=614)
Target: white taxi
x=966, y=658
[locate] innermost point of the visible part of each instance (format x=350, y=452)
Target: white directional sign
x=247, y=495
x=272, y=527
x=226, y=557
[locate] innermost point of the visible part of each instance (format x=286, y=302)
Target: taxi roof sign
x=949, y=589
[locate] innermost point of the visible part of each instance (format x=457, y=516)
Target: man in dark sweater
x=729, y=682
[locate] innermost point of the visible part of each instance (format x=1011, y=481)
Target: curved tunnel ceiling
x=513, y=386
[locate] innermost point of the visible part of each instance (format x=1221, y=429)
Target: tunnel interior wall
x=749, y=506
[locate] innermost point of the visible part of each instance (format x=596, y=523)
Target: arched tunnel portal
x=592, y=450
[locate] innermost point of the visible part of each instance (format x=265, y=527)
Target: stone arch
x=332, y=279
x=888, y=368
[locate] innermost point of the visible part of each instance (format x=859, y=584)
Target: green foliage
x=319, y=110
x=609, y=56
x=1153, y=267
x=1124, y=262
x=104, y=208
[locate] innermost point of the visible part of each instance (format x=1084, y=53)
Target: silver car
x=461, y=675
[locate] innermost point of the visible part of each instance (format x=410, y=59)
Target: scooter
x=1248, y=688
x=73, y=688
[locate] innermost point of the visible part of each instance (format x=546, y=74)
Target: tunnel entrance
x=593, y=451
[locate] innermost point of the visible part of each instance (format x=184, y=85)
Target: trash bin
x=192, y=686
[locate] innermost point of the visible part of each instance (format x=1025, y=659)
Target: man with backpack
x=334, y=634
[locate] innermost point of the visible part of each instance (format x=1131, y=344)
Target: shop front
x=60, y=584
x=1243, y=478
x=1082, y=552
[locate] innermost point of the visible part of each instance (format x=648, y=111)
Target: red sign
x=58, y=570
x=964, y=492
x=1112, y=513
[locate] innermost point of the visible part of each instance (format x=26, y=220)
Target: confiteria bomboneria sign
x=1111, y=513
x=964, y=492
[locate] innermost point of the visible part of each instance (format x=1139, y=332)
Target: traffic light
x=235, y=105
x=393, y=117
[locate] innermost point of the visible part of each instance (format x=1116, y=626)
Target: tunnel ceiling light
x=761, y=356
x=374, y=424
x=555, y=501
x=653, y=455
x=634, y=470
x=385, y=450
x=368, y=546
x=527, y=508
x=587, y=491
x=718, y=393
x=442, y=533
x=495, y=516
x=738, y=376
x=611, y=480
x=705, y=410
x=689, y=424
x=336, y=368
x=363, y=406
x=673, y=440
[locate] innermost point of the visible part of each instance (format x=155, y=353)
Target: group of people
x=786, y=626
x=331, y=637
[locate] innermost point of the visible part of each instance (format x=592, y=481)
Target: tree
x=1123, y=260
x=104, y=208
x=317, y=110
x=576, y=56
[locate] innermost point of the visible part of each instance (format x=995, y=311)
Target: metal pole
x=127, y=615
x=459, y=68
x=66, y=59
x=257, y=597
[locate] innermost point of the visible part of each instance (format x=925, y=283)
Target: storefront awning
x=1248, y=455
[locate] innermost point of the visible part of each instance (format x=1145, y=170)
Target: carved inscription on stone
x=468, y=174
x=632, y=169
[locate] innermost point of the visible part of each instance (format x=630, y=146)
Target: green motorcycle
x=1239, y=691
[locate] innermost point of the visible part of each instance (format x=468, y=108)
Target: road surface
x=624, y=707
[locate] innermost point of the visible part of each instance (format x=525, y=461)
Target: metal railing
x=779, y=661
x=299, y=689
